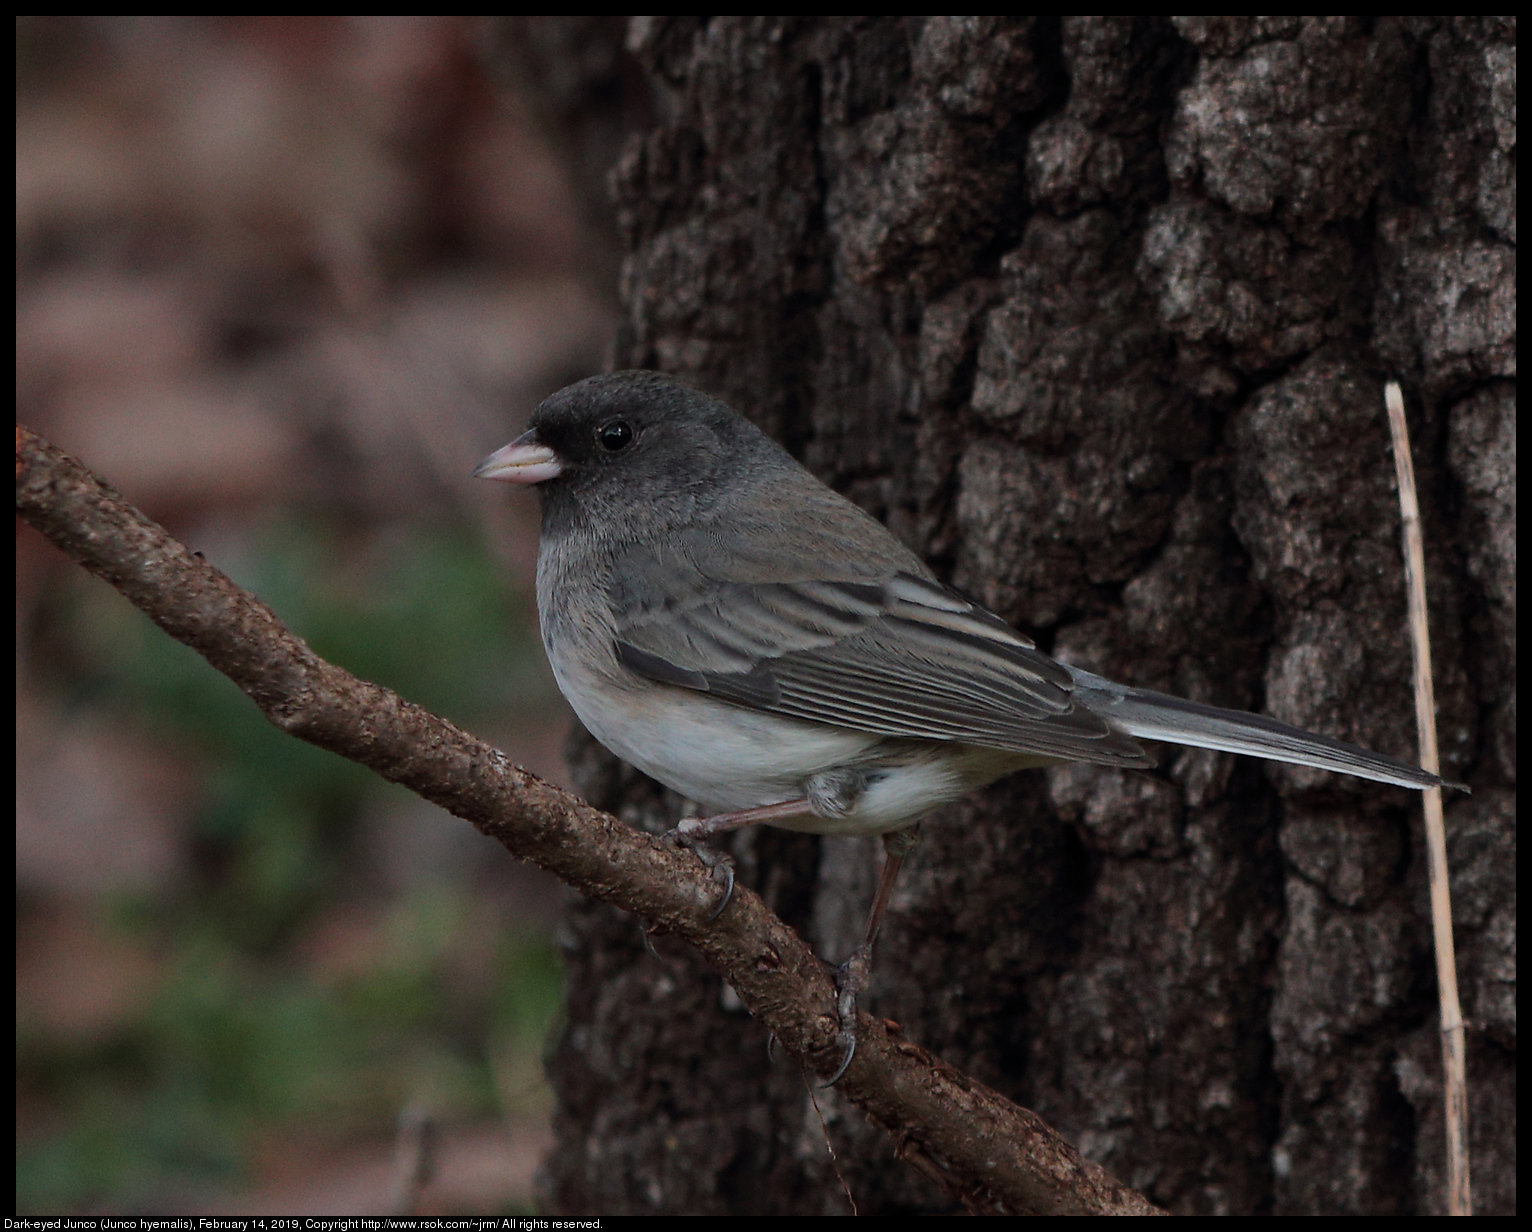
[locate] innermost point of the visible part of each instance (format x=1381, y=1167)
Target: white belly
x=722, y=756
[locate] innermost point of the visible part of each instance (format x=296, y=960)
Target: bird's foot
x=693, y=832
x=850, y=982
x=715, y=861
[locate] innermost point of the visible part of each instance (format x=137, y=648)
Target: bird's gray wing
x=898, y=655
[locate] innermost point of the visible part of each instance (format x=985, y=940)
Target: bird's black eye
x=615, y=434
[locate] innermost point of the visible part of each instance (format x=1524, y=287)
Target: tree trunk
x=1095, y=315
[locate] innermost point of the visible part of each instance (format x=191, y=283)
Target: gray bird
x=726, y=623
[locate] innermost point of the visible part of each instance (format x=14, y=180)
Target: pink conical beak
x=524, y=460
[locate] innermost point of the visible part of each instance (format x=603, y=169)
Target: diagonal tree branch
x=974, y=1144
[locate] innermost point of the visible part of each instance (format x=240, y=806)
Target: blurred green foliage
x=240, y=1039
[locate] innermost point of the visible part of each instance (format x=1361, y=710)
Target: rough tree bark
x=1095, y=314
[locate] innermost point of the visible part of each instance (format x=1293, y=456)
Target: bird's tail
x=1158, y=716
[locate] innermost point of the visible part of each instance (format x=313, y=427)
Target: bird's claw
x=715, y=861
x=649, y=942
x=723, y=871
x=847, y=1040
x=850, y=982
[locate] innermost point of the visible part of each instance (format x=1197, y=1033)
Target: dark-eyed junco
x=725, y=622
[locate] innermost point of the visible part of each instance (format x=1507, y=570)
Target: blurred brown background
x=283, y=281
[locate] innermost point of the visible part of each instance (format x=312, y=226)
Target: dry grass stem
x=1453, y=1061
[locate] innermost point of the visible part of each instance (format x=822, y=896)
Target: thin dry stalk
x=1453, y=1060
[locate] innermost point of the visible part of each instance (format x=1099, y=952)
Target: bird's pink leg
x=856, y=971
